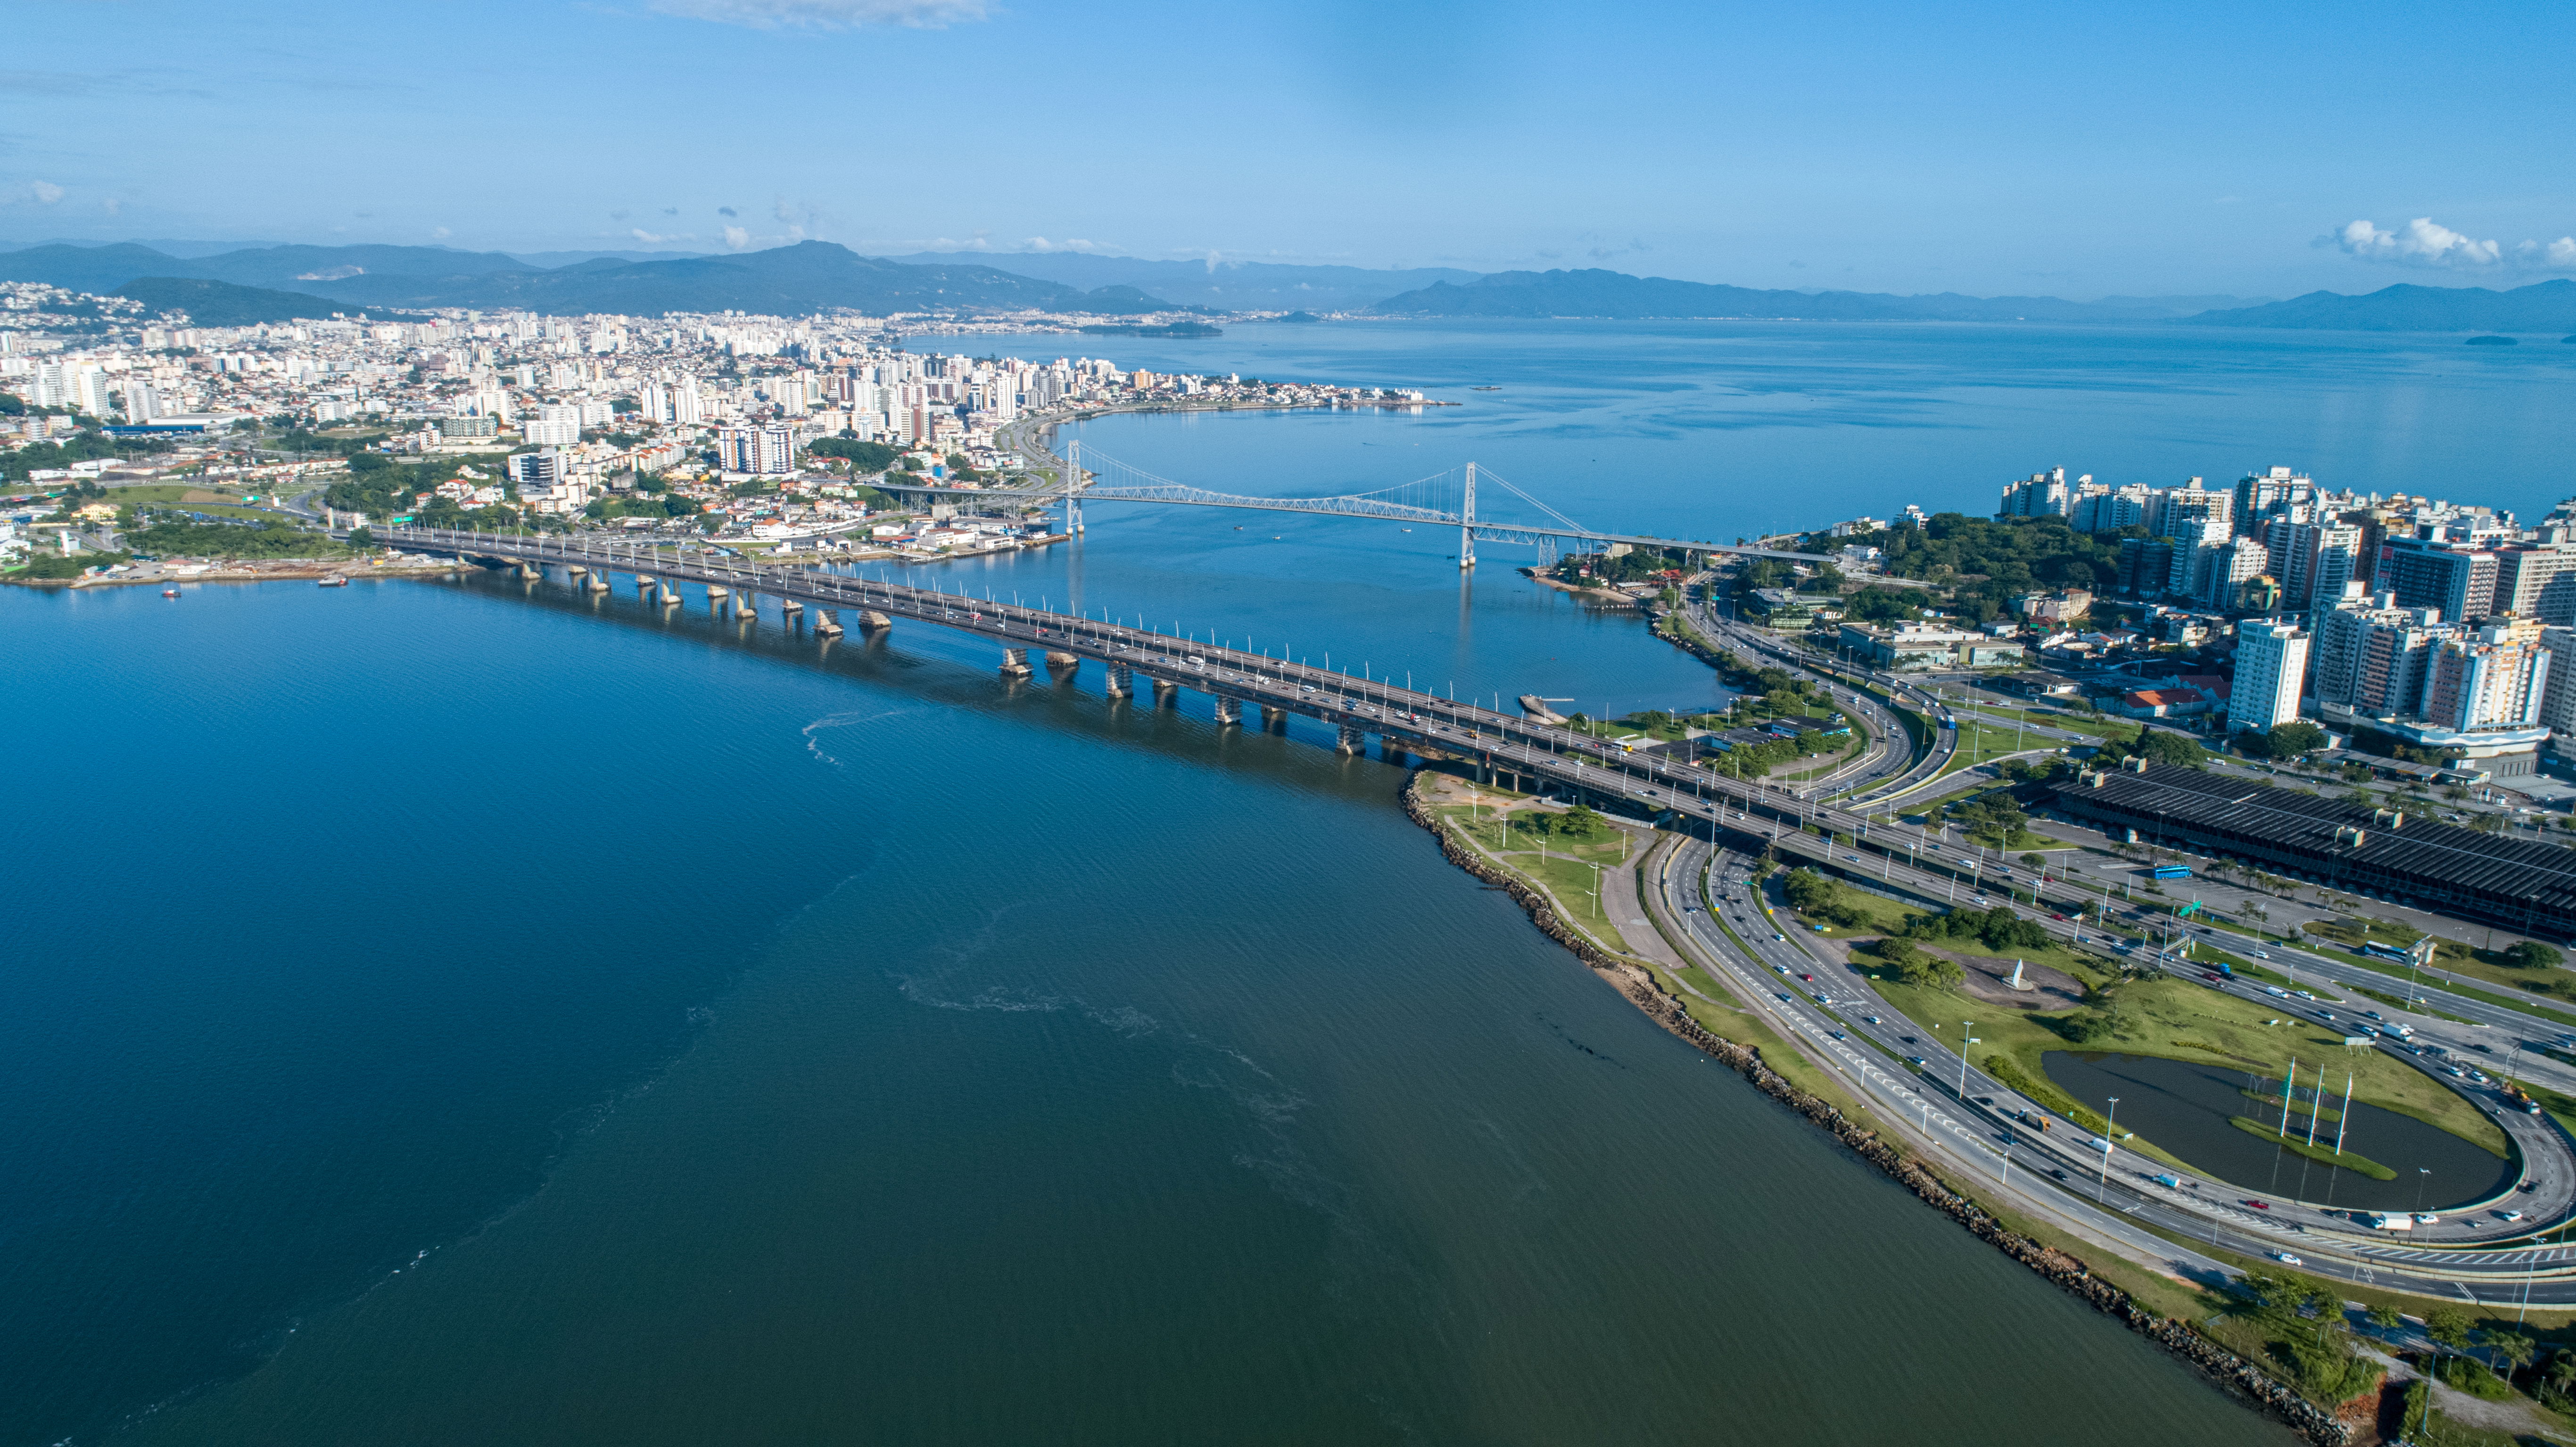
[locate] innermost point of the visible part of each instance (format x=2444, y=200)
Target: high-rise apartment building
x=2271, y=662
x=760, y=450
x=2423, y=573
x=2494, y=678
x=2537, y=580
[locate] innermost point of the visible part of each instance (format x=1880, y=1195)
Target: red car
x=2260, y=1205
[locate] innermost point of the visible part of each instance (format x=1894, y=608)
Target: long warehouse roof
x=2286, y=821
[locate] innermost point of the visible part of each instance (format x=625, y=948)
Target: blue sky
x=2005, y=148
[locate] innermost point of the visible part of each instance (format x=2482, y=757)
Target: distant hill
x=94, y=269
x=2548, y=306
x=1595, y=293
x=1225, y=286
x=788, y=280
x=222, y=304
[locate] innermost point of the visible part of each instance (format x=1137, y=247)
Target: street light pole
x=2108, y=1122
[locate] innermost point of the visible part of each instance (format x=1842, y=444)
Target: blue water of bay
x=465, y=1011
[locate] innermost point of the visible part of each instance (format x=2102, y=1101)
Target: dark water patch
x=2187, y=1108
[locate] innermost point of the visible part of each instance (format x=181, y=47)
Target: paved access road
x=1730, y=928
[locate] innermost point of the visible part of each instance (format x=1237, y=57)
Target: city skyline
x=2012, y=152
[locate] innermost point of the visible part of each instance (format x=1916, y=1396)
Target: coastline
x=2240, y=1378
x=1598, y=595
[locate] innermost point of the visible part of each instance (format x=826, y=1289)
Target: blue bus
x=2173, y=871
x=2378, y=951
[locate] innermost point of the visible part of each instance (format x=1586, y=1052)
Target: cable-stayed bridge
x=1447, y=499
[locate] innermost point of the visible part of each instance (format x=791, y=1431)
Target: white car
x=2427, y=1218
x=2286, y=1259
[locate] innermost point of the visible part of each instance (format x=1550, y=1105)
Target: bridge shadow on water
x=954, y=670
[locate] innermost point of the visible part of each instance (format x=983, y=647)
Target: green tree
x=2512, y=1348
x=2164, y=746
x=2533, y=955
x=2448, y=1326
x=2289, y=740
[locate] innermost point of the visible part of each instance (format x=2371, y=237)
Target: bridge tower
x=1073, y=488
x=1467, y=527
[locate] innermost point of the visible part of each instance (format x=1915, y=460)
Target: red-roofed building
x=2163, y=703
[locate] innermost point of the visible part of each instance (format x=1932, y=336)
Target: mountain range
x=1218, y=285
x=788, y=280
x=276, y=282
x=1595, y=293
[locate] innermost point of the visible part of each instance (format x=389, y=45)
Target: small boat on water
x=331, y=582
x=1484, y=389
x=169, y=592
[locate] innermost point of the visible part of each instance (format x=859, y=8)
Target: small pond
x=2184, y=1107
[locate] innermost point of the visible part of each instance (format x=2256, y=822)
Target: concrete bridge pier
x=1391, y=748
x=575, y=570
x=748, y=605
x=594, y=584
x=874, y=621
x=1061, y=662
x=644, y=583
x=670, y=596
x=1352, y=741
x=1122, y=683
x=1015, y=662
x=1274, y=719
x=530, y=572
x=830, y=627
x=1229, y=710
x=790, y=612
x=716, y=596
x=1165, y=692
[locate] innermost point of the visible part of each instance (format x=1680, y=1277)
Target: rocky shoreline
x=2235, y=1374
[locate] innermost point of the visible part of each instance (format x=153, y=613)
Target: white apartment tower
x=2271, y=662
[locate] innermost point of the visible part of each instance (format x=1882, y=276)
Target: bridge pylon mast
x=1467, y=524
x=1073, y=488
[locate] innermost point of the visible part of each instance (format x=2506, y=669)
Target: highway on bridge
x=1708, y=807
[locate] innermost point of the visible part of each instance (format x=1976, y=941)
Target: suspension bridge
x=1442, y=500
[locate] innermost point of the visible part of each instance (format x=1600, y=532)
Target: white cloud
x=45, y=192
x=827, y=14
x=112, y=206
x=656, y=238
x=736, y=237
x=2559, y=255
x=2420, y=242
x=1071, y=243
x=439, y=233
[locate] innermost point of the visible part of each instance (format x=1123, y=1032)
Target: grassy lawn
x=1564, y=870
x=2182, y=1021
x=1983, y=743
x=2093, y=725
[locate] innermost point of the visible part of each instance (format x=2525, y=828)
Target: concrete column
x=716, y=595
x=790, y=610
x=576, y=570
x=1122, y=683
x=1229, y=710
x=1165, y=692
x=594, y=584
x=670, y=596
x=1067, y=662
x=1274, y=719
x=830, y=627
x=1352, y=741
x=1015, y=662
x=1390, y=748
x=872, y=620
x=644, y=585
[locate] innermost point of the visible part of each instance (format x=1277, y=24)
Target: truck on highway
x=2388, y=1221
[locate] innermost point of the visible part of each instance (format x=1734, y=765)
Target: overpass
x=1442, y=500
